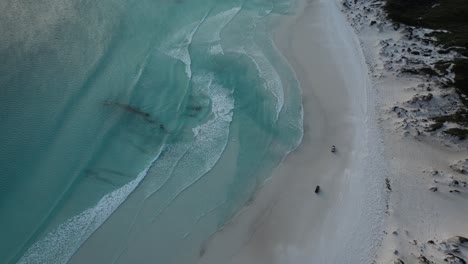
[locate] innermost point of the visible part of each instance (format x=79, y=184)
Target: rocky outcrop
x=460, y=166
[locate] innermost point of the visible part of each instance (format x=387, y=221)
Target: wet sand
x=288, y=222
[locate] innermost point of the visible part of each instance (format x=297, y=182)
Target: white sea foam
x=178, y=45
x=211, y=137
x=299, y=122
x=216, y=49
x=268, y=74
x=59, y=245
x=165, y=166
x=210, y=31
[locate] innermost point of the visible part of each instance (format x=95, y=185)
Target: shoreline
x=287, y=222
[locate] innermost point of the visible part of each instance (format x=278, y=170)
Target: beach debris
x=387, y=184
x=395, y=252
x=333, y=149
x=454, y=191
x=399, y=261
x=317, y=189
x=433, y=189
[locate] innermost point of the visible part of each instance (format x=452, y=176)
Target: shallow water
x=187, y=105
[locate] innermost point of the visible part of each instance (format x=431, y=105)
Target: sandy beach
x=143, y=133
x=394, y=192
x=287, y=222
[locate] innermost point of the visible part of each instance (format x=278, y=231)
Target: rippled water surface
x=174, y=110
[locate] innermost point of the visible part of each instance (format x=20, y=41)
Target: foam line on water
x=204, y=214
x=210, y=31
x=177, y=47
x=299, y=122
x=268, y=74
x=211, y=137
x=170, y=156
x=60, y=244
x=166, y=164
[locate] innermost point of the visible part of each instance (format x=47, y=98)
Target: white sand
x=416, y=215
x=353, y=218
x=288, y=222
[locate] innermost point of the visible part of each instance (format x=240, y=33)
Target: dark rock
x=463, y=240
x=460, y=166
x=423, y=259
x=401, y=112
x=450, y=258
x=458, y=241
x=446, y=51
x=427, y=98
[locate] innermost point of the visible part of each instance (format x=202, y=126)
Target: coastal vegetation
x=448, y=17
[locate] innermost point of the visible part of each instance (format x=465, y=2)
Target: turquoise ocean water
x=153, y=102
